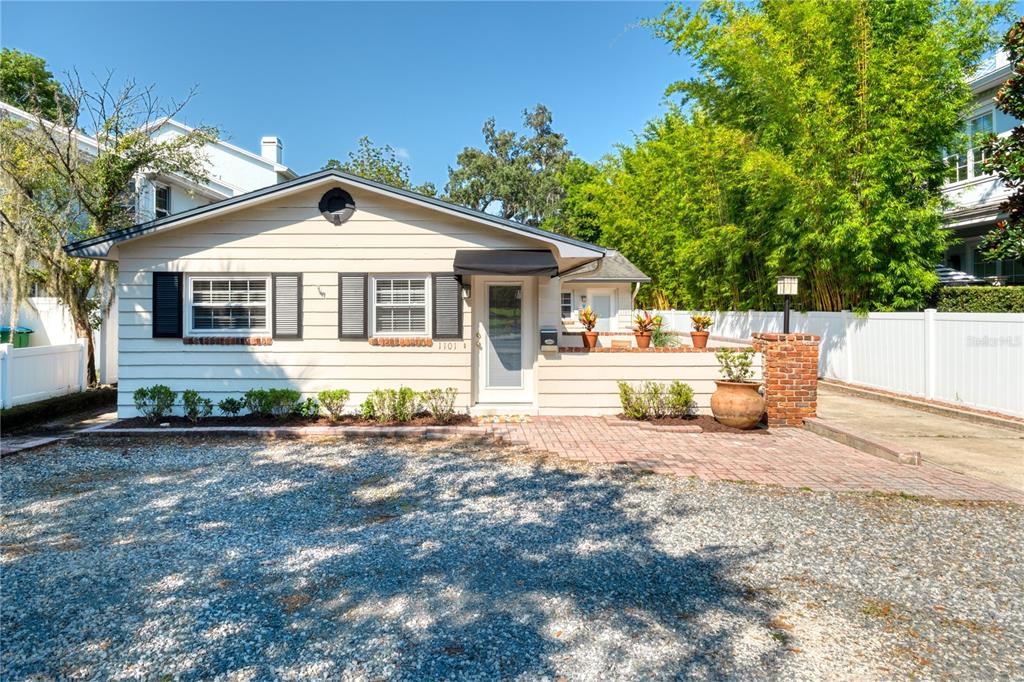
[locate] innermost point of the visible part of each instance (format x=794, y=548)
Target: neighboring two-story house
x=975, y=195
x=232, y=171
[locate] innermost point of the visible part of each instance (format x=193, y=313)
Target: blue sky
x=422, y=77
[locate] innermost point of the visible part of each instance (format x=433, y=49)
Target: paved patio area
x=976, y=449
x=792, y=458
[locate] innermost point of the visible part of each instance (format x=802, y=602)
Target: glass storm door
x=504, y=344
x=503, y=314
x=601, y=303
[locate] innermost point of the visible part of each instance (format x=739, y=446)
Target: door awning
x=505, y=262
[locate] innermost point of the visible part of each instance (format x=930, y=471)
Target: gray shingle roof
x=614, y=267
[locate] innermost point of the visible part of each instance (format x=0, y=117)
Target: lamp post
x=787, y=287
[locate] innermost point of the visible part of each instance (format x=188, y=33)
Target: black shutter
x=167, y=305
x=447, y=306
x=287, y=306
x=352, y=318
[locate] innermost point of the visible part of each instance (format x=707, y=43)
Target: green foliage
x=155, y=401
x=381, y=164
x=518, y=176
x=333, y=402
x=662, y=338
x=654, y=400
x=440, y=403
x=577, y=216
x=272, y=402
x=308, y=408
x=26, y=83
x=981, y=300
x=195, y=406
x=1006, y=157
x=386, y=405
x=809, y=143
x=230, y=406
x=736, y=365
x=53, y=193
x=679, y=401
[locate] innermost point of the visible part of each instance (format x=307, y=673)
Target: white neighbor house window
x=163, y=201
x=228, y=305
x=567, y=308
x=968, y=163
x=400, y=306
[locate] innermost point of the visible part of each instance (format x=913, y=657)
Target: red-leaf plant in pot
x=736, y=401
x=700, y=332
x=588, y=318
x=643, y=326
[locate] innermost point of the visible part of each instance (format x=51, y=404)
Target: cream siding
x=289, y=235
x=587, y=383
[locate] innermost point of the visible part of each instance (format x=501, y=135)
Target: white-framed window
x=567, y=309
x=967, y=163
x=401, y=305
x=163, y=201
x=235, y=305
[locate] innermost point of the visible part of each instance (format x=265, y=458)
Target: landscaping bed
x=290, y=420
x=705, y=422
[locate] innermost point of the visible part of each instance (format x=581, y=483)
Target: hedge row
x=981, y=300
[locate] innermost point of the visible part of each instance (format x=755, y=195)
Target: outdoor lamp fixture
x=787, y=286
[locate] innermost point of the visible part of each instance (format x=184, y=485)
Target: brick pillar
x=790, y=376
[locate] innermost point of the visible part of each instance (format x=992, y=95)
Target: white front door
x=505, y=331
x=602, y=302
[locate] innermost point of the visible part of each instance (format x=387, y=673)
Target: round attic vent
x=337, y=205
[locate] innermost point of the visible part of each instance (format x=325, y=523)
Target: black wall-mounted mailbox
x=548, y=338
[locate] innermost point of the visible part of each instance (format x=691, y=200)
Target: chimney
x=270, y=149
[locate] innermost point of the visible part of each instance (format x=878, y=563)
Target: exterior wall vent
x=337, y=205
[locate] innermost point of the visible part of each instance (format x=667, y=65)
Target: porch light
x=787, y=288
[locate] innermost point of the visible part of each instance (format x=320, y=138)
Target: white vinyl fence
x=975, y=359
x=40, y=372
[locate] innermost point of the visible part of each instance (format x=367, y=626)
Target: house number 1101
x=451, y=345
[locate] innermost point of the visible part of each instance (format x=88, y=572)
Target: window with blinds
x=400, y=305
x=228, y=304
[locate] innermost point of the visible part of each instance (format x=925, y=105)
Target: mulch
x=706, y=422
x=253, y=420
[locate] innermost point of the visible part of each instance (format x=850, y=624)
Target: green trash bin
x=19, y=338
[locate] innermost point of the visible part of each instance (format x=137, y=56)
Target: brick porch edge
x=790, y=376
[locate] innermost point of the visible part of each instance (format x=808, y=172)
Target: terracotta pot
x=643, y=339
x=700, y=339
x=737, y=404
x=590, y=339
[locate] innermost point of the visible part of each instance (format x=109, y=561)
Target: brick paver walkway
x=793, y=458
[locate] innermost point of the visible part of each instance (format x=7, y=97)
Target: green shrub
x=390, y=405
x=440, y=403
x=632, y=404
x=662, y=338
x=653, y=396
x=308, y=408
x=653, y=400
x=196, y=407
x=680, y=399
x=230, y=406
x=981, y=299
x=272, y=402
x=333, y=401
x=154, y=402
x=736, y=365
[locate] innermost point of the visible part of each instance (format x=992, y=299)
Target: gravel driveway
x=390, y=560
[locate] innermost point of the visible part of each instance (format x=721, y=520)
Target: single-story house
x=330, y=280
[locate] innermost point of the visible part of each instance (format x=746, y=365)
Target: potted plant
x=588, y=318
x=700, y=333
x=736, y=401
x=644, y=325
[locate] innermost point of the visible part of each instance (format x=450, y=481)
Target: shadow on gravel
x=370, y=558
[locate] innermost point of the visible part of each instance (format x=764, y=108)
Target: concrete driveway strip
x=981, y=450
